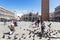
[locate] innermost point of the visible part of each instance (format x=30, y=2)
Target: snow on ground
x=22, y=31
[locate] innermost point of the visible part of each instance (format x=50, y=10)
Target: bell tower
x=45, y=10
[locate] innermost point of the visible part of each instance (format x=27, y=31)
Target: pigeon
x=9, y=37
x=19, y=38
x=30, y=36
x=3, y=36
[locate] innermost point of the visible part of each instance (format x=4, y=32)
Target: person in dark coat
x=15, y=23
x=37, y=23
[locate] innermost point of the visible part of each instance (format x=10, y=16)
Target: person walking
x=37, y=23
x=4, y=21
x=15, y=23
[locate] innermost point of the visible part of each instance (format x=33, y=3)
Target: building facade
x=55, y=16
x=57, y=13
x=45, y=10
x=52, y=16
x=30, y=17
x=5, y=14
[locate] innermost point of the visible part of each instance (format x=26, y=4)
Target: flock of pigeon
x=27, y=31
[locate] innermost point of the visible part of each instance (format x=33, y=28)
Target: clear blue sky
x=20, y=5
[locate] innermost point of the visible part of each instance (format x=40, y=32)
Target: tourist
x=12, y=29
x=15, y=23
x=4, y=21
x=37, y=23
